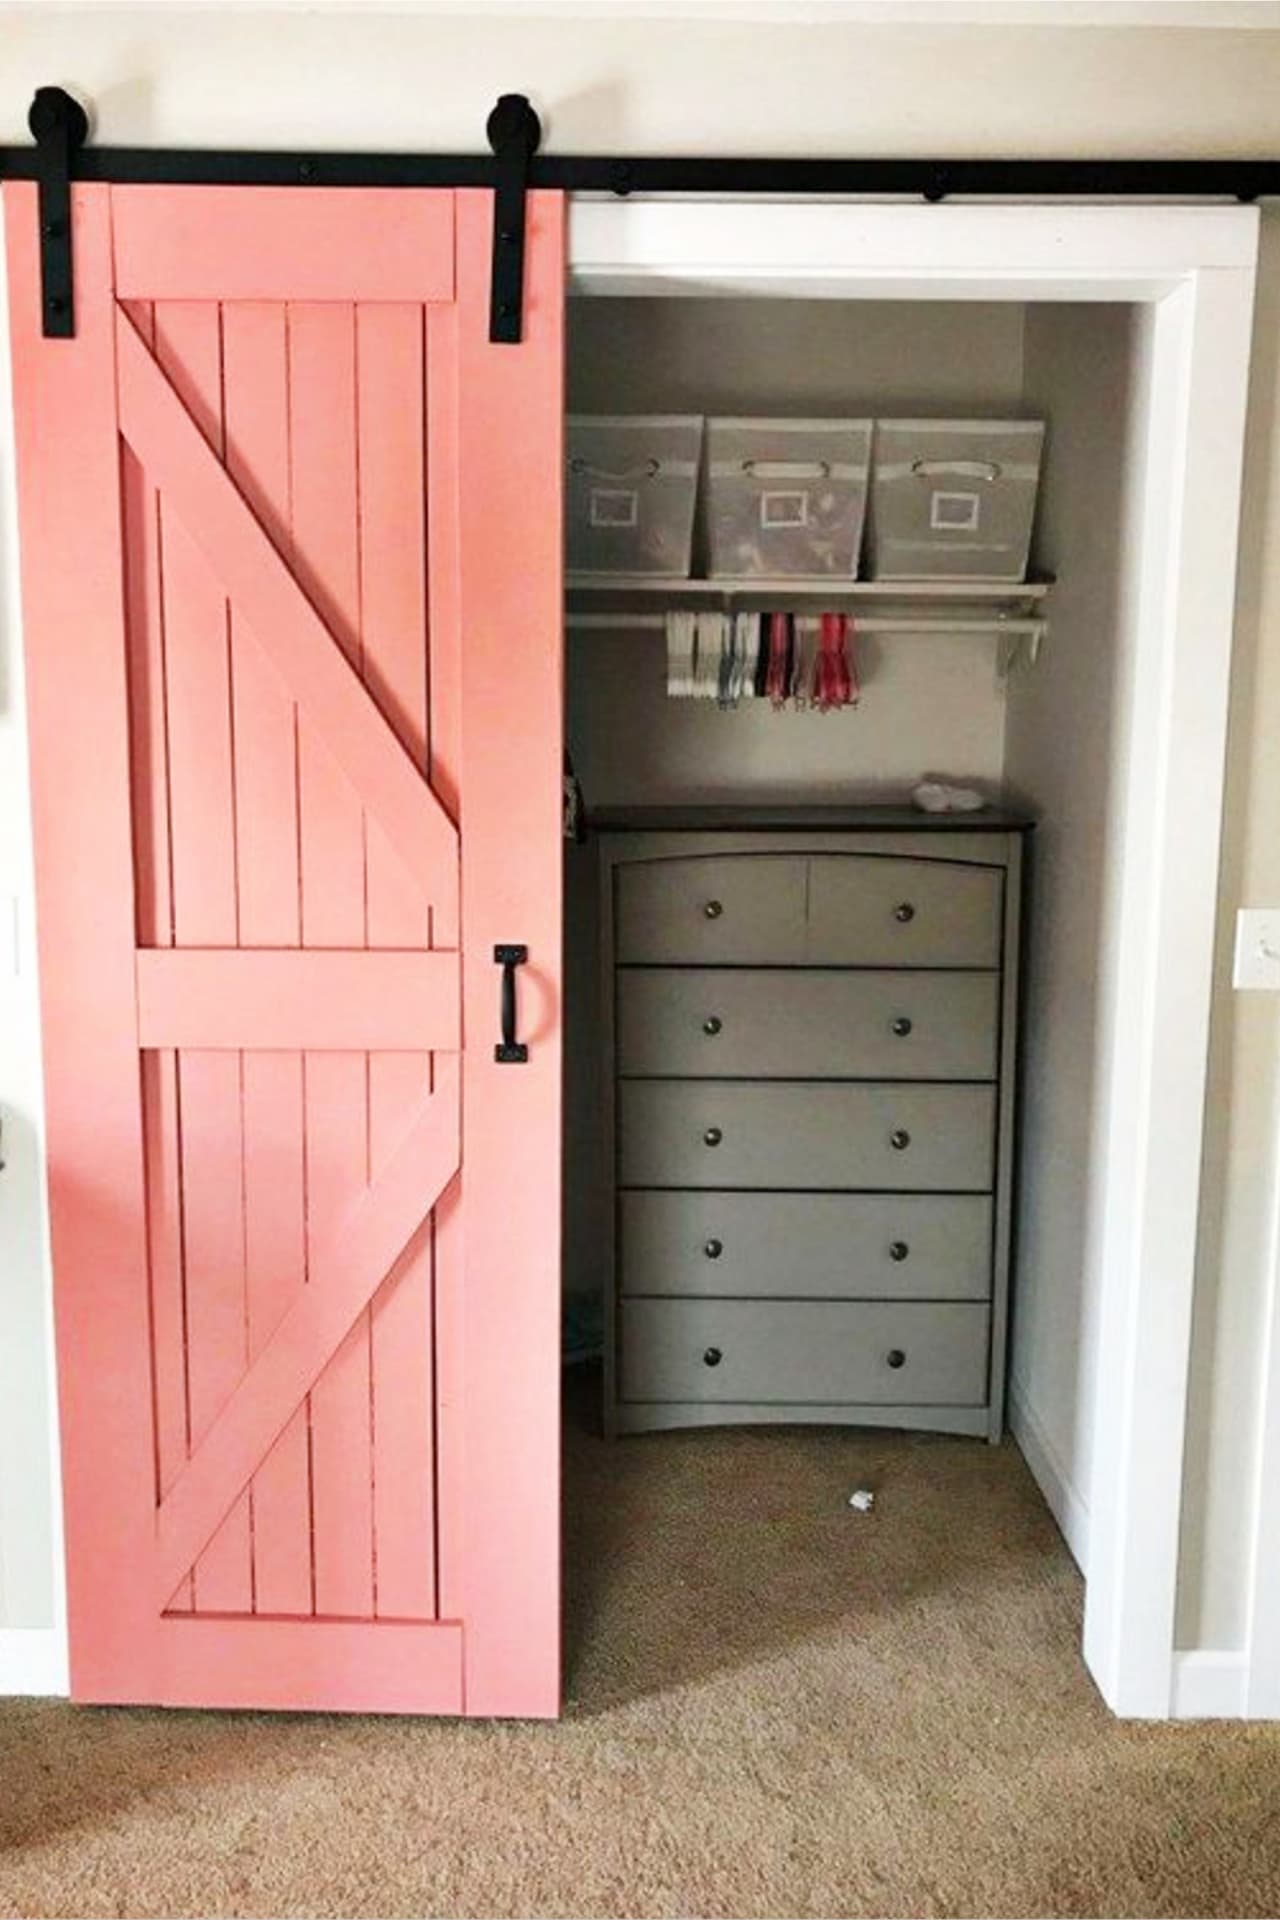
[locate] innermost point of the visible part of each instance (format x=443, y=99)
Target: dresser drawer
x=738, y=907
x=840, y=1246
x=770, y=1024
x=798, y=1134
x=865, y=910
x=822, y=1351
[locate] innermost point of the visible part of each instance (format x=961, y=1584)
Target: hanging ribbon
x=781, y=653
x=836, y=683
x=809, y=660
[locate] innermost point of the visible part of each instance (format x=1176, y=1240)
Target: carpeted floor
x=775, y=1707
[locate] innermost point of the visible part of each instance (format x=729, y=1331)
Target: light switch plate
x=1257, y=962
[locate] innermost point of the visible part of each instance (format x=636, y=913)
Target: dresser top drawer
x=714, y=908
x=800, y=909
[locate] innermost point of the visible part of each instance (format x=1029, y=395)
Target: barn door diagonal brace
x=60, y=127
x=514, y=131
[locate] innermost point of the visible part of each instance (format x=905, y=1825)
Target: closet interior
x=1012, y=688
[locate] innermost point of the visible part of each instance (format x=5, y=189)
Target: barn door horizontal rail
x=515, y=166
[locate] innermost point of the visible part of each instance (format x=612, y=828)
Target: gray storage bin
x=953, y=499
x=632, y=485
x=786, y=497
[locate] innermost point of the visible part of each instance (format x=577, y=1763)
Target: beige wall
x=400, y=78
x=225, y=78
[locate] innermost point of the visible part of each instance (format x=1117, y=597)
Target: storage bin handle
x=787, y=469
x=647, y=470
x=957, y=469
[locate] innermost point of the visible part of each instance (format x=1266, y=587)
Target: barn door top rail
x=515, y=165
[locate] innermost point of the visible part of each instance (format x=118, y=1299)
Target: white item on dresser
x=937, y=796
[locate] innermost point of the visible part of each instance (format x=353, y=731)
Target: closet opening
x=749, y=1420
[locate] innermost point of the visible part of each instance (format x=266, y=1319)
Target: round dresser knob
x=896, y=1357
x=713, y=909
x=901, y=1026
x=898, y=1250
x=899, y=1139
x=711, y=1024
x=713, y=1248
x=712, y=1357
x=713, y=1136
x=904, y=911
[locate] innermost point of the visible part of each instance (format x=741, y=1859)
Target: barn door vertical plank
x=256, y=408
x=510, y=479
x=389, y=367
x=153, y=881
x=77, y=703
x=201, y=742
x=444, y=626
x=324, y=480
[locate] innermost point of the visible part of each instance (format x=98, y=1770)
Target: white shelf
x=588, y=591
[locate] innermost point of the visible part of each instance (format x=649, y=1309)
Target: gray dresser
x=808, y=1114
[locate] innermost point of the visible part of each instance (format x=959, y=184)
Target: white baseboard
x=1050, y=1475
x=1209, y=1685
x=33, y=1660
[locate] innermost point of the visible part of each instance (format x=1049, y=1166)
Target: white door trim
x=1192, y=270
x=1262, y=1628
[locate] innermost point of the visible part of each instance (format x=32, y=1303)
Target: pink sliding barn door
x=291, y=580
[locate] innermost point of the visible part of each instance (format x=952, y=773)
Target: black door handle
x=510, y=1051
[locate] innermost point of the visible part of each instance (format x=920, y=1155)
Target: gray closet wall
x=1066, y=723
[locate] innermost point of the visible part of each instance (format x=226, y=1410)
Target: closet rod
x=877, y=623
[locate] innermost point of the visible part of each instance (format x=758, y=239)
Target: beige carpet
x=775, y=1707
